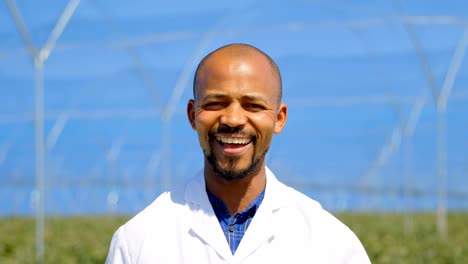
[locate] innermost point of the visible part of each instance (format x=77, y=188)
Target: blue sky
x=352, y=76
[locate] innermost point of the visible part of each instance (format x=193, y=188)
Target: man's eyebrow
x=244, y=97
x=214, y=96
x=254, y=98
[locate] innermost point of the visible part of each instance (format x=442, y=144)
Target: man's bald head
x=238, y=50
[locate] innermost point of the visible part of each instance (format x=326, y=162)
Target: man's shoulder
x=306, y=217
x=167, y=209
x=160, y=214
x=296, y=197
x=312, y=210
x=161, y=209
x=320, y=223
x=163, y=216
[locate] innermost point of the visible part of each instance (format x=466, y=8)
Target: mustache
x=236, y=131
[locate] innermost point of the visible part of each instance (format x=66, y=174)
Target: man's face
x=235, y=112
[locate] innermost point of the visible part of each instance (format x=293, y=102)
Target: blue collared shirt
x=234, y=227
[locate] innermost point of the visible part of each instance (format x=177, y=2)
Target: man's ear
x=281, y=117
x=191, y=113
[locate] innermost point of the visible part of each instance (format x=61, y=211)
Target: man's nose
x=233, y=116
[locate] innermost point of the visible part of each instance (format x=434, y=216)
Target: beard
x=230, y=172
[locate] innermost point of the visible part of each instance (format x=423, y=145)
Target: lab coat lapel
x=204, y=223
x=260, y=231
x=262, y=228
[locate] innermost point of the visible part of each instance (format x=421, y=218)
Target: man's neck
x=237, y=195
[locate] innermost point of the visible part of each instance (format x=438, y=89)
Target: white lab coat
x=288, y=227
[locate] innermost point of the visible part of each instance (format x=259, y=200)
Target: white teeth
x=233, y=140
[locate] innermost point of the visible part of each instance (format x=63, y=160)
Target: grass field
x=86, y=239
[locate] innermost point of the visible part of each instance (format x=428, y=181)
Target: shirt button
x=231, y=228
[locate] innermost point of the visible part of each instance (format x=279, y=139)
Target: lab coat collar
x=262, y=228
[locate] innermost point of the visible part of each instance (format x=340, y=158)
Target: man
x=235, y=210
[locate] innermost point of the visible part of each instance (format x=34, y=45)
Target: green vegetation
x=386, y=237
x=391, y=238
x=67, y=240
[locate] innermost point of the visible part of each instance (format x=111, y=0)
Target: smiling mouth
x=233, y=140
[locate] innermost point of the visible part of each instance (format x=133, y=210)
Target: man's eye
x=255, y=107
x=214, y=105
